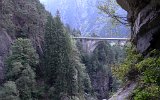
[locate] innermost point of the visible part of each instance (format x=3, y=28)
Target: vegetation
x=109, y=8
x=149, y=82
x=9, y=91
x=99, y=63
x=143, y=70
x=20, y=72
x=59, y=61
x=64, y=72
x=69, y=73
x=127, y=70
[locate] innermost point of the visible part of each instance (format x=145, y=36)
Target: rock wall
x=144, y=17
x=5, y=43
x=20, y=18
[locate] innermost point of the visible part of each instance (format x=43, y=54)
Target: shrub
x=127, y=70
x=149, y=78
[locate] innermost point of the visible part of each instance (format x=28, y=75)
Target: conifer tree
x=20, y=68
x=64, y=71
x=9, y=91
x=57, y=56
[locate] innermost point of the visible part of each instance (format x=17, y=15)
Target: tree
x=84, y=83
x=26, y=83
x=20, y=68
x=119, y=53
x=58, y=49
x=109, y=7
x=9, y=91
x=64, y=71
x=99, y=69
x=23, y=51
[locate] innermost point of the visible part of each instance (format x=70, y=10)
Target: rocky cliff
x=20, y=18
x=144, y=17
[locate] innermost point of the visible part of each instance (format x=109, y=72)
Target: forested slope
x=39, y=60
x=20, y=18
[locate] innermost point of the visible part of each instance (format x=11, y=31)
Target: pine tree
x=9, y=91
x=64, y=71
x=23, y=51
x=98, y=63
x=57, y=56
x=20, y=68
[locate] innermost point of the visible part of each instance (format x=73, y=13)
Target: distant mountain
x=83, y=15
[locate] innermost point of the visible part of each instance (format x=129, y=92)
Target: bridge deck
x=100, y=38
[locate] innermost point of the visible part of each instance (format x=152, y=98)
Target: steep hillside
x=25, y=20
x=20, y=18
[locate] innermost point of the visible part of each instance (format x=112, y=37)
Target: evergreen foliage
x=57, y=50
x=127, y=70
x=64, y=72
x=143, y=70
x=119, y=53
x=149, y=81
x=84, y=83
x=101, y=58
x=23, y=52
x=9, y=91
x=100, y=61
x=20, y=68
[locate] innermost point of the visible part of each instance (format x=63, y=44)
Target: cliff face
x=144, y=16
x=20, y=18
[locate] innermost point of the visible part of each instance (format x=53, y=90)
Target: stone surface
x=5, y=43
x=125, y=92
x=144, y=16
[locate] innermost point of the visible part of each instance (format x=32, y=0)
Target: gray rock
x=125, y=92
x=144, y=16
x=5, y=43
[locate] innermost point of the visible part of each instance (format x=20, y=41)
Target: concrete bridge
x=100, y=38
x=90, y=43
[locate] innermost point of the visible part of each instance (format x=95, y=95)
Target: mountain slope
x=83, y=15
x=20, y=19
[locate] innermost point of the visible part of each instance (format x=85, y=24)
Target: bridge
x=100, y=38
x=90, y=43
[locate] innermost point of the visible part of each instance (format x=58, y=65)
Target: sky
x=43, y=1
x=48, y=5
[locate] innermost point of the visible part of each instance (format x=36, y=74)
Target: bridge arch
x=90, y=43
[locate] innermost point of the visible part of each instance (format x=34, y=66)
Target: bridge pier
x=90, y=43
